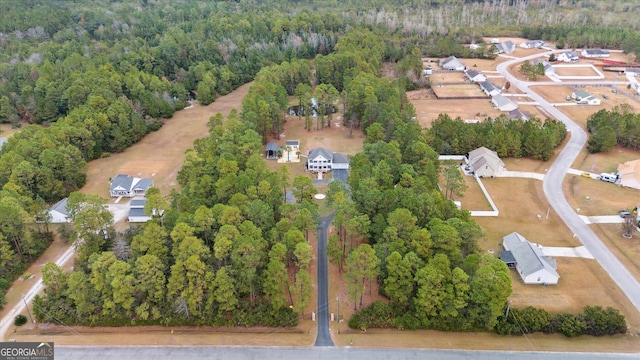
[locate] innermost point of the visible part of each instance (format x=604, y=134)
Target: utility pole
x=338, y=301
x=27, y=307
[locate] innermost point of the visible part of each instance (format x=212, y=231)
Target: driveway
x=341, y=175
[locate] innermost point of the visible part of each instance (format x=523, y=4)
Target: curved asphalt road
x=552, y=186
x=324, y=335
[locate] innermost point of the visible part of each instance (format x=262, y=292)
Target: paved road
x=324, y=335
x=552, y=185
x=322, y=353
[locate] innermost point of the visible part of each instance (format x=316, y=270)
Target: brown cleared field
x=575, y=71
x=428, y=109
x=604, y=198
x=473, y=198
x=605, y=162
x=7, y=130
x=626, y=250
x=467, y=90
x=453, y=76
x=582, y=281
x=476, y=64
x=160, y=154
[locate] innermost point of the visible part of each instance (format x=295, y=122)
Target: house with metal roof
x=452, y=63
x=529, y=261
x=583, y=97
x=128, y=186
x=474, y=76
x=533, y=44
x=548, y=69
x=485, y=162
x=595, y=53
x=58, y=213
x=490, y=88
x=503, y=103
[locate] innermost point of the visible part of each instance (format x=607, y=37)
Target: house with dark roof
x=136, y=211
x=529, y=261
x=58, y=213
x=503, y=103
x=128, y=186
x=518, y=114
x=489, y=88
x=506, y=47
x=485, y=162
x=595, y=53
x=271, y=150
x=323, y=160
x=474, y=76
x=452, y=63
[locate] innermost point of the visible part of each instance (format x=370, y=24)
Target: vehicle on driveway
x=587, y=175
x=605, y=96
x=624, y=214
x=568, y=98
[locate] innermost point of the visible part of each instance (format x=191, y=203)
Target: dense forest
x=88, y=78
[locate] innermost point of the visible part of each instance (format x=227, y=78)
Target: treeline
x=594, y=320
x=586, y=36
x=620, y=126
x=226, y=251
x=509, y=138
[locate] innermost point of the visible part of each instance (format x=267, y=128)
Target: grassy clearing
x=575, y=71
x=458, y=90
x=428, y=110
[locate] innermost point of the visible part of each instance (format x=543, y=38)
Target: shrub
x=601, y=321
x=568, y=325
x=20, y=320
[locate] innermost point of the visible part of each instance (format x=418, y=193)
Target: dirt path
x=159, y=155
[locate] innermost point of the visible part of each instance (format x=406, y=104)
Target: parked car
x=624, y=214
x=615, y=91
x=587, y=175
x=605, y=96
x=568, y=98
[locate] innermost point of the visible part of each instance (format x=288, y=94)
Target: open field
x=7, y=130
x=453, y=76
x=585, y=70
x=466, y=90
x=429, y=109
x=582, y=282
x=160, y=154
x=475, y=64
x=606, y=161
x=595, y=197
x=626, y=250
x=473, y=198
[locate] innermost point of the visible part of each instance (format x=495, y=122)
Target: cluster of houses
x=121, y=185
x=498, y=100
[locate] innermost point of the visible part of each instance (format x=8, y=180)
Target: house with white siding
x=529, y=261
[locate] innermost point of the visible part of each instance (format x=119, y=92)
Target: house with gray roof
x=474, y=76
x=529, y=261
x=506, y=47
x=58, y=213
x=489, y=88
x=518, y=114
x=128, y=186
x=595, y=53
x=485, y=162
x=568, y=56
x=503, y=103
x=136, y=211
x=548, y=69
x=533, y=44
x=452, y=63
x=323, y=160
